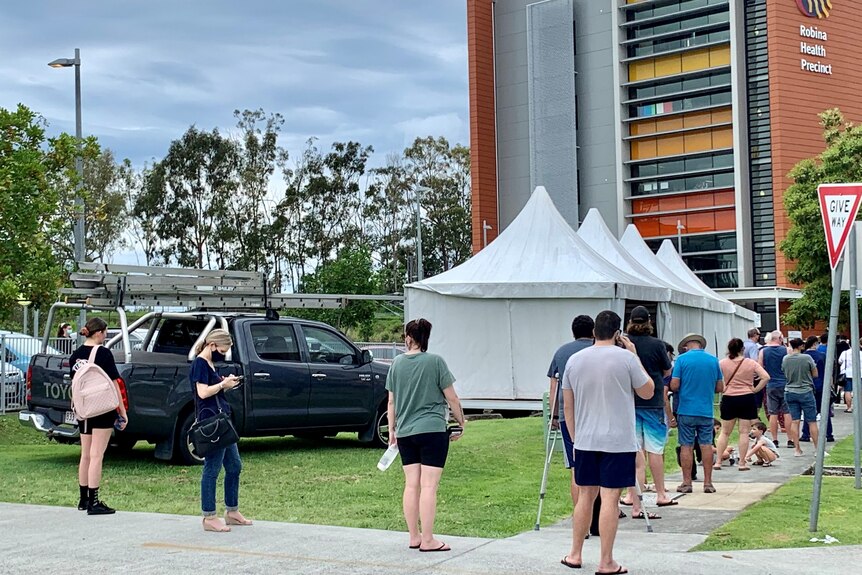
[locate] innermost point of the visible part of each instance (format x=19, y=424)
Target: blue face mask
x=218, y=356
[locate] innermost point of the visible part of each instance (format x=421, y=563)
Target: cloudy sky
x=377, y=71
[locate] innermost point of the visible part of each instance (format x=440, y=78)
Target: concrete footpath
x=38, y=539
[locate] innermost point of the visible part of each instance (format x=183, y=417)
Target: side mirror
x=366, y=357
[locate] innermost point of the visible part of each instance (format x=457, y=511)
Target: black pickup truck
x=302, y=378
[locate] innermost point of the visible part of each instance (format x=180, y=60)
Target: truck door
x=340, y=386
x=278, y=377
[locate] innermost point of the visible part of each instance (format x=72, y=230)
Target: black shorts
x=738, y=407
x=429, y=449
x=104, y=421
x=610, y=470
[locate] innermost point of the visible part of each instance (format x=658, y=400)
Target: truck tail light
x=29, y=384
x=123, y=392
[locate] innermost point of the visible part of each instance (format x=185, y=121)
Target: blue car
x=19, y=348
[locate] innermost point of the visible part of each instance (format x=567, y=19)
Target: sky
x=381, y=72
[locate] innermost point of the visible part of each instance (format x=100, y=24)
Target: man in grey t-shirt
x=599, y=384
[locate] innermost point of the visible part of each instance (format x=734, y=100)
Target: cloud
x=377, y=71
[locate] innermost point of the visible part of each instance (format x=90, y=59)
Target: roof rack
x=116, y=285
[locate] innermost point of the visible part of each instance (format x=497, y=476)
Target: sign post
x=839, y=205
x=854, y=348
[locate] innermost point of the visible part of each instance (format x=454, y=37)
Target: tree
x=187, y=195
x=805, y=244
x=350, y=273
x=446, y=228
x=106, y=184
x=37, y=187
x=389, y=213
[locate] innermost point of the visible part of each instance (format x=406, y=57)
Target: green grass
x=489, y=489
x=781, y=519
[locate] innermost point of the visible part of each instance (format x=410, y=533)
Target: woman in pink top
x=738, y=400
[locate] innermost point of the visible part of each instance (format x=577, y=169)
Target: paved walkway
x=37, y=539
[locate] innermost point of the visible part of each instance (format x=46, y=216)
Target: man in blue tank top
x=770, y=358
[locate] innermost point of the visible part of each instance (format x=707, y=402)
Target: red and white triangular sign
x=839, y=204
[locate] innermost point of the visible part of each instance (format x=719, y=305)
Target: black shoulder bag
x=212, y=433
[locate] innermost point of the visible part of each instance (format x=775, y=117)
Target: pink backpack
x=93, y=392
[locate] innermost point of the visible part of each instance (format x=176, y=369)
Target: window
x=275, y=342
x=326, y=347
x=177, y=336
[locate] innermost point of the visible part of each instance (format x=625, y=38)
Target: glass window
x=701, y=163
x=710, y=262
x=275, y=342
x=671, y=167
x=325, y=346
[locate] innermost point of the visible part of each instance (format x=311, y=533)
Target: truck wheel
x=381, y=429
x=184, y=451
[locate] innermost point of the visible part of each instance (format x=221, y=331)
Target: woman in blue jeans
x=209, y=387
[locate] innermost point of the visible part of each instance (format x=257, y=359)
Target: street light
x=679, y=228
x=419, y=272
x=485, y=228
x=80, y=250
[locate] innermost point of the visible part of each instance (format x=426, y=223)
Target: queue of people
x=616, y=396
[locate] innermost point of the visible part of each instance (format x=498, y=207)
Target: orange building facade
x=688, y=116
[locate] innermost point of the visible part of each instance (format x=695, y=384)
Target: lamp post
x=419, y=271
x=80, y=249
x=679, y=228
x=485, y=228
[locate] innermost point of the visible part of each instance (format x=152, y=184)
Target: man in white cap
x=697, y=378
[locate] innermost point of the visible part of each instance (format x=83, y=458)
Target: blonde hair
x=220, y=337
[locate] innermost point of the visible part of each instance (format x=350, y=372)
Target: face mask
x=218, y=356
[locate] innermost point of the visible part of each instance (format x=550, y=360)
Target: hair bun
x=85, y=332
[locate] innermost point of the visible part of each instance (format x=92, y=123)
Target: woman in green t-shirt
x=420, y=387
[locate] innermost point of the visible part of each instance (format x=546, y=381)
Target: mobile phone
x=119, y=423
x=455, y=430
x=240, y=377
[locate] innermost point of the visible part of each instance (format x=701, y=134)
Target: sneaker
x=790, y=444
x=777, y=445
x=830, y=440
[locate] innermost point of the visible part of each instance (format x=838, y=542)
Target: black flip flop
x=668, y=504
x=640, y=515
x=624, y=503
x=619, y=571
x=443, y=547
x=412, y=547
x=565, y=562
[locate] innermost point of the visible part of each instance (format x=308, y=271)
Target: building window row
x=689, y=184
x=688, y=40
x=692, y=244
x=675, y=86
x=671, y=8
x=683, y=165
x=681, y=104
x=696, y=21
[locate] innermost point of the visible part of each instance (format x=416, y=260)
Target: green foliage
x=350, y=273
x=805, y=243
x=106, y=184
x=37, y=187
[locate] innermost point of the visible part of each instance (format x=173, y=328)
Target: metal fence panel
x=15, y=354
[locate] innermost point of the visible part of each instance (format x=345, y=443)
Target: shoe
x=96, y=507
x=82, y=504
x=218, y=528
x=777, y=445
x=830, y=440
x=231, y=521
x=684, y=488
x=99, y=508
x=790, y=444
x=708, y=488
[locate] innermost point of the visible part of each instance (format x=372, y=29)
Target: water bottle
x=388, y=457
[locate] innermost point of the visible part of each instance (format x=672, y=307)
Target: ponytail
x=419, y=331
x=93, y=326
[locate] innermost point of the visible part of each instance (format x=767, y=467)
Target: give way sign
x=839, y=204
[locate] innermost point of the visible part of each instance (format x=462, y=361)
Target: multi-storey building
x=680, y=116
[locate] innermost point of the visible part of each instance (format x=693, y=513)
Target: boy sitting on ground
x=763, y=448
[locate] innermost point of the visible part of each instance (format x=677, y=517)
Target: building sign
x=815, y=8
x=813, y=39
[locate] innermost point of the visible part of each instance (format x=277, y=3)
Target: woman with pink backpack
x=95, y=431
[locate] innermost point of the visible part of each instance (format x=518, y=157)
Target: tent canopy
x=539, y=256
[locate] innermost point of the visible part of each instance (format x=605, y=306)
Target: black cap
x=640, y=314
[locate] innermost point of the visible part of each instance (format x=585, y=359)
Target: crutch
x=643, y=507
x=550, y=454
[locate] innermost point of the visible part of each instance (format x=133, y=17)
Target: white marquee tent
x=499, y=316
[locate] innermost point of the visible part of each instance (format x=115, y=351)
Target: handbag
x=213, y=433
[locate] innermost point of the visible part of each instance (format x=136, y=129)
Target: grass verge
x=489, y=489
x=781, y=519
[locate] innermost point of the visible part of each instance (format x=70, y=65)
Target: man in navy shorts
x=582, y=331
x=599, y=384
